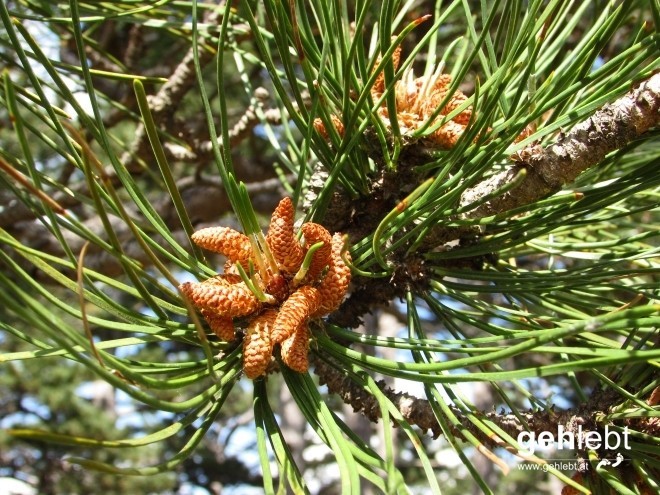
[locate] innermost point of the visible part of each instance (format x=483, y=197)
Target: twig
x=611, y=128
x=164, y=103
x=418, y=412
x=244, y=127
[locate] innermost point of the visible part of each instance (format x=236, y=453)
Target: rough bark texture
x=586, y=145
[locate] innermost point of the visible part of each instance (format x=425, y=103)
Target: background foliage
x=491, y=293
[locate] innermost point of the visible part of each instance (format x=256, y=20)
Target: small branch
x=164, y=103
x=243, y=128
x=206, y=192
x=612, y=127
x=418, y=412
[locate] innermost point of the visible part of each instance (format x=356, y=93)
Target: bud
x=314, y=233
x=225, y=300
x=281, y=239
x=335, y=282
x=379, y=85
x=257, y=344
x=222, y=326
x=223, y=240
x=294, y=311
x=447, y=135
x=296, y=348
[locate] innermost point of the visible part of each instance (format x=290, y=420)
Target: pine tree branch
x=12, y=212
x=418, y=412
x=205, y=200
x=611, y=128
x=164, y=104
x=548, y=169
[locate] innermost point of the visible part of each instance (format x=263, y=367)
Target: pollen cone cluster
x=275, y=301
x=418, y=100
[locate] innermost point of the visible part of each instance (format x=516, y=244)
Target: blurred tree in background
x=493, y=164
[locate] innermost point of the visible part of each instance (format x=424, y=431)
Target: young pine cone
x=223, y=240
x=335, y=282
x=257, y=344
x=294, y=350
x=225, y=300
x=314, y=233
x=295, y=311
x=222, y=326
x=281, y=239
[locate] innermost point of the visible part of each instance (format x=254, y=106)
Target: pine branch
x=611, y=128
x=548, y=169
x=418, y=412
x=16, y=211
